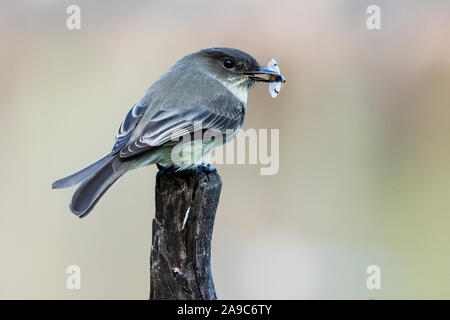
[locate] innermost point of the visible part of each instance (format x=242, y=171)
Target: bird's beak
x=270, y=76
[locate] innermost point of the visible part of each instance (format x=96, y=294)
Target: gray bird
x=208, y=87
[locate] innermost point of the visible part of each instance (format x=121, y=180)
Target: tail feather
x=81, y=175
x=92, y=189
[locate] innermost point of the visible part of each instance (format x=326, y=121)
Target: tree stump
x=186, y=203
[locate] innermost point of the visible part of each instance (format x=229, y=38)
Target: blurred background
x=364, y=124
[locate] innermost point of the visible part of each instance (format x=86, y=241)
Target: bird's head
x=235, y=67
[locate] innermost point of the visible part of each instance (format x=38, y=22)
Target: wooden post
x=186, y=203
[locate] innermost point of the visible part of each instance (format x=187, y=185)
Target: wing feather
x=169, y=124
x=127, y=126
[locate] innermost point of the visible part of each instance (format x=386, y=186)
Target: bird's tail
x=92, y=188
x=79, y=176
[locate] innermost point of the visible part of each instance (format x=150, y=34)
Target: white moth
x=274, y=87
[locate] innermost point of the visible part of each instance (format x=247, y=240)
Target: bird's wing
x=127, y=126
x=224, y=112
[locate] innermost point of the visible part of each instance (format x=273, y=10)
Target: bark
x=186, y=203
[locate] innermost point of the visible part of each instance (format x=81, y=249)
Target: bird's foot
x=208, y=168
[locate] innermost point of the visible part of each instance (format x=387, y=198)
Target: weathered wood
x=186, y=203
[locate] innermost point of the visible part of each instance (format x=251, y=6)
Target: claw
x=160, y=166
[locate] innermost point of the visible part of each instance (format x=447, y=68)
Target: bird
x=208, y=87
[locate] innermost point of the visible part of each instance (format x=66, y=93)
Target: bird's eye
x=228, y=63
